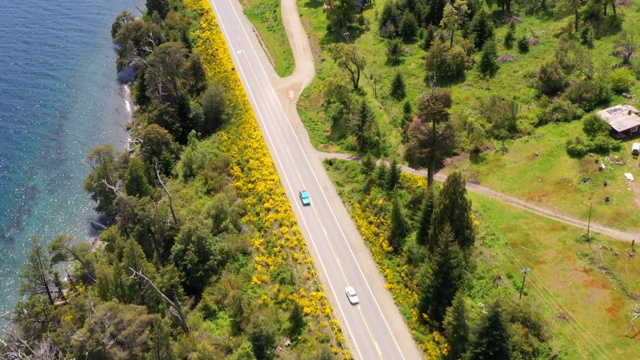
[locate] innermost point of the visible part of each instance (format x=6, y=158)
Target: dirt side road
x=538, y=210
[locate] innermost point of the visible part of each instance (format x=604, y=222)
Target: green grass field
x=566, y=278
x=556, y=181
x=266, y=18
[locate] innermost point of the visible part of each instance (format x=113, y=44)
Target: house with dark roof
x=623, y=120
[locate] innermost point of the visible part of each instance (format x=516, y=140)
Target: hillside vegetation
x=505, y=93
x=204, y=260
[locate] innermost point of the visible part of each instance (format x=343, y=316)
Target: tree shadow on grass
x=477, y=157
x=313, y=4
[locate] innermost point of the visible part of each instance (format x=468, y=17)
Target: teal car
x=304, y=197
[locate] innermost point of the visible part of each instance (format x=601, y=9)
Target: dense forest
x=204, y=259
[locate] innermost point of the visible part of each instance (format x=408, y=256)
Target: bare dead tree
x=46, y=350
x=154, y=44
x=173, y=213
x=174, y=307
x=14, y=346
x=117, y=189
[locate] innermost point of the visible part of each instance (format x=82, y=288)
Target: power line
x=544, y=293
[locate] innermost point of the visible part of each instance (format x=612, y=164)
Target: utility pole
x=524, y=278
x=589, y=222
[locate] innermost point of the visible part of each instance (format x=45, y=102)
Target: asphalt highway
x=364, y=324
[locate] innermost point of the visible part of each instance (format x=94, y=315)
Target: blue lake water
x=58, y=99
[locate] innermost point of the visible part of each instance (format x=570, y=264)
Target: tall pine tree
x=488, y=66
x=456, y=327
x=453, y=207
x=398, y=91
x=444, y=278
x=398, y=226
x=422, y=236
x=491, y=338
x=394, y=175
x=431, y=137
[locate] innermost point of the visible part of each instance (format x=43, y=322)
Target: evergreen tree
x=139, y=293
x=491, y=338
x=198, y=255
x=296, y=321
x=105, y=168
x=122, y=19
x=393, y=177
x=488, y=65
x=436, y=11
x=422, y=236
x=62, y=250
x=510, y=36
x=214, y=104
x=453, y=207
x=381, y=176
x=243, y=352
x=398, y=226
x=529, y=331
x=456, y=327
x=398, y=91
x=454, y=17
x=368, y=165
x=161, y=345
x=444, y=277
x=481, y=28
x=408, y=26
x=341, y=14
x=429, y=36
x=431, y=136
x=135, y=180
x=395, y=51
x=364, y=127
x=159, y=6
x=195, y=75
x=139, y=89
x=114, y=331
x=156, y=141
x=523, y=45
x=37, y=277
x=262, y=334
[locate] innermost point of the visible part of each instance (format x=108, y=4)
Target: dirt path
x=538, y=210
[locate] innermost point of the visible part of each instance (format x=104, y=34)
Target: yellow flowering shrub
x=370, y=215
x=277, y=239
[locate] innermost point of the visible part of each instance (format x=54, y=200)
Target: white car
x=352, y=296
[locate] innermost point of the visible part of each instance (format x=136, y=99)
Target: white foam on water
x=127, y=101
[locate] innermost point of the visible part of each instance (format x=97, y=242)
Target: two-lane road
x=370, y=334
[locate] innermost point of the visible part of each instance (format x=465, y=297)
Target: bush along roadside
x=277, y=237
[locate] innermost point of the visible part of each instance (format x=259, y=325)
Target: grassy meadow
x=554, y=180
x=265, y=15
x=580, y=290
